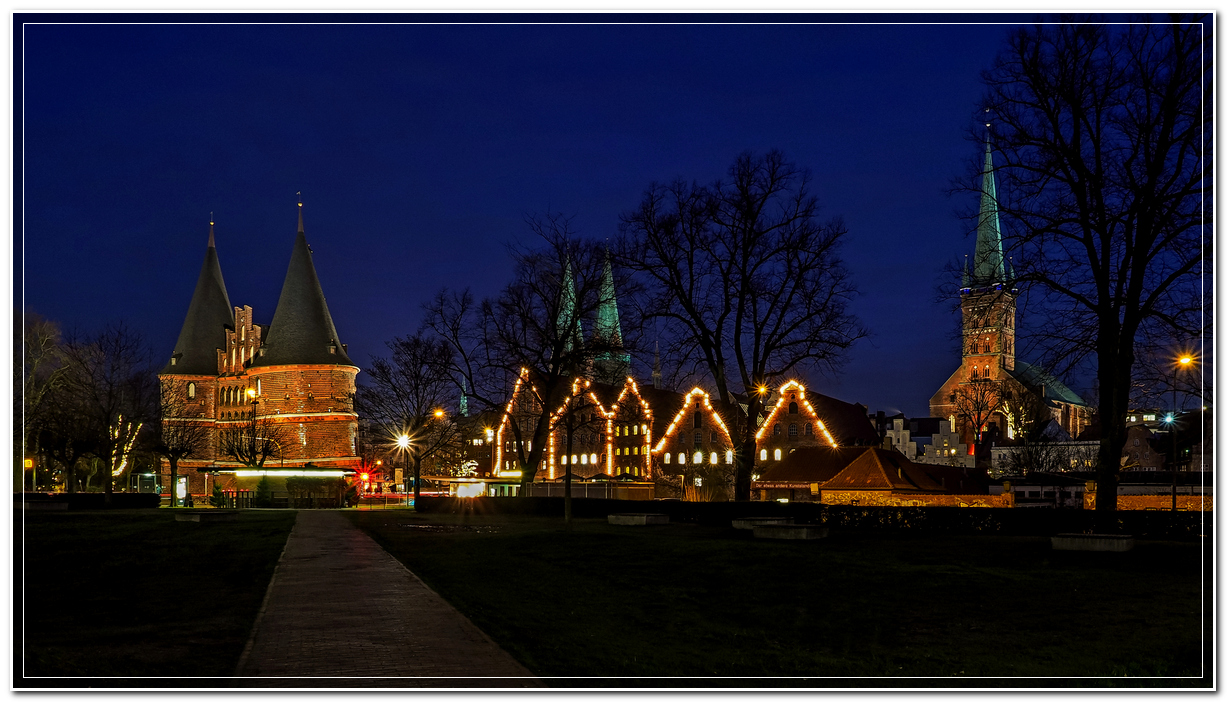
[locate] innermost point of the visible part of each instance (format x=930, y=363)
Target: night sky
x=419, y=149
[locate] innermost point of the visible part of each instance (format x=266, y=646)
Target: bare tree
x=179, y=433
x=743, y=274
x=37, y=375
x=1101, y=132
x=534, y=326
x=411, y=395
x=114, y=389
x=975, y=403
x=252, y=440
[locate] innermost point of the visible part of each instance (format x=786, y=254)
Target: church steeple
x=464, y=399
x=208, y=315
x=302, y=331
x=612, y=362
x=567, y=322
x=989, y=262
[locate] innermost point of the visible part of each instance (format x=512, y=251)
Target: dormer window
x=172, y=360
x=332, y=348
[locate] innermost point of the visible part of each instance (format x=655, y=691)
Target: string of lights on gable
x=682, y=412
x=804, y=402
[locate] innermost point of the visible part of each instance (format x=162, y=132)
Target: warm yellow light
x=379, y=463
x=439, y=413
x=1186, y=360
x=403, y=441
x=251, y=392
x=29, y=463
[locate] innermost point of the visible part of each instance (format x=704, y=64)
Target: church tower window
x=792, y=408
x=191, y=391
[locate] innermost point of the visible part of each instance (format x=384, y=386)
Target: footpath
x=341, y=612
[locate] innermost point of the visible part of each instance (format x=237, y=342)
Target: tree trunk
x=1113, y=408
x=417, y=481
x=745, y=463
x=174, y=476
x=70, y=477
x=566, y=493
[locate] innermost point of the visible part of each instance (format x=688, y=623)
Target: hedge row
x=96, y=500
x=964, y=520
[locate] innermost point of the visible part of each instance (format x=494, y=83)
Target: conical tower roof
x=208, y=316
x=302, y=331
x=608, y=328
x=567, y=312
x=989, y=263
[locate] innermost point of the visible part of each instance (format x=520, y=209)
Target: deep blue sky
x=418, y=150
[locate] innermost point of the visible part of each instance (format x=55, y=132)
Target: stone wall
x=888, y=498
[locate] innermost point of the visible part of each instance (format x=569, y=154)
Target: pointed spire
x=608, y=327
x=211, y=244
x=302, y=331
x=567, y=323
x=300, y=228
x=989, y=267
x=966, y=275
x=656, y=369
x=464, y=399
x=208, y=315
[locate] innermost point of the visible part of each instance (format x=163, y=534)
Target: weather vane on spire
x=299, y=193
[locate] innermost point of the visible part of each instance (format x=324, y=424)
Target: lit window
x=715, y=458
x=644, y=427
x=594, y=461
x=191, y=391
x=698, y=456
x=617, y=452
x=667, y=456
x=636, y=430
x=583, y=458
x=728, y=457
x=762, y=455
x=258, y=386
x=778, y=454
x=636, y=450
x=573, y=458
x=681, y=459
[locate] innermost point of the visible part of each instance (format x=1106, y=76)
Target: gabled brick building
x=294, y=372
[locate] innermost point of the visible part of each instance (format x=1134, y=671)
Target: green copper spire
x=613, y=363
x=464, y=399
x=989, y=266
x=567, y=323
x=608, y=329
x=966, y=275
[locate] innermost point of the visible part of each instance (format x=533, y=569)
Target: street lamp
x=1184, y=361
x=402, y=442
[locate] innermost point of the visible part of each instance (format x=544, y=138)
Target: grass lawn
x=916, y=609
x=134, y=593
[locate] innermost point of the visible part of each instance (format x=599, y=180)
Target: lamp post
x=402, y=442
x=1184, y=361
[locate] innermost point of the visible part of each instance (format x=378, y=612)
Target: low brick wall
x=1184, y=503
x=886, y=498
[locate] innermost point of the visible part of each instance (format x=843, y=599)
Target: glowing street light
x=402, y=441
x=438, y=414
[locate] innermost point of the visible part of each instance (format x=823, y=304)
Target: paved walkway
x=342, y=612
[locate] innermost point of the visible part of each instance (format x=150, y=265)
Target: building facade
x=293, y=376
x=989, y=371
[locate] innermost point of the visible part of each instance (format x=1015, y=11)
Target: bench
x=638, y=519
x=1092, y=542
x=751, y=522
x=790, y=531
x=207, y=515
